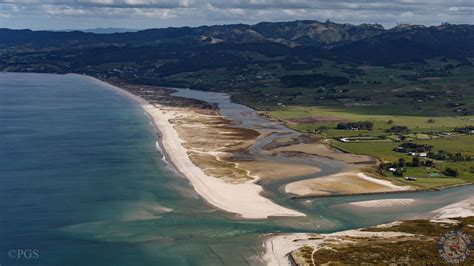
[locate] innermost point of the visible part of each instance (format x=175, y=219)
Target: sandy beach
x=243, y=199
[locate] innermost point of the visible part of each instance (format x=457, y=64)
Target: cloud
x=157, y=13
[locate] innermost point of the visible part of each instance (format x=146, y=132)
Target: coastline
x=243, y=199
x=160, y=142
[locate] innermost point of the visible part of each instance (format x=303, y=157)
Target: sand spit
x=397, y=237
x=350, y=182
x=463, y=208
x=243, y=199
x=278, y=248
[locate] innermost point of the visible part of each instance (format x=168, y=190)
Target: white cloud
x=157, y=13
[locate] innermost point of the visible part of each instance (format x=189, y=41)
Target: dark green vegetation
x=367, y=88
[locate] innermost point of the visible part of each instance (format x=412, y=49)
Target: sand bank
x=383, y=203
x=243, y=199
x=463, y=208
x=343, y=183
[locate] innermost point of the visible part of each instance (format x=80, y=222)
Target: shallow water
x=82, y=182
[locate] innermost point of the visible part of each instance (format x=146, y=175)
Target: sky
x=141, y=14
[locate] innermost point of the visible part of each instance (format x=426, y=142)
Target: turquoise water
x=82, y=183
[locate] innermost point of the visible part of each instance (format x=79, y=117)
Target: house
x=391, y=169
x=423, y=154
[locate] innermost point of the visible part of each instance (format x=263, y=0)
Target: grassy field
x=431, y=99
x=381, y=122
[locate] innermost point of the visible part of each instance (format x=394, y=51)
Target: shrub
x=399, y=129
x=451, y=172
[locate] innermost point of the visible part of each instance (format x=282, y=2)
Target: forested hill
x=168, y=51
x=289, y=33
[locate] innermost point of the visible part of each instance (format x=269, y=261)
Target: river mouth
x=324, y=214
x=84, y=184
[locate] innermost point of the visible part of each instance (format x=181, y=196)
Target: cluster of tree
x=452, y=105
x=400, y=165
x=465, y=130
x=413, y=147
x=290, y=63
x=447, y=156
x=398, y=130
x=312, y=80
x=363, y=125
x=354, y=71
x=415, y=162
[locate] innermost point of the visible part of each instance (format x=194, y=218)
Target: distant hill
x=296, y=33
x=103, y=30
x=411, y=43
x=295, y=45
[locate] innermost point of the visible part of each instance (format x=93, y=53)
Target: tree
x=399, y=129
x=323, y=128
x=428, y=163
x=398, y=172
x=415, y=161
x=451, y=172
x=401, y=162
x=431, y=121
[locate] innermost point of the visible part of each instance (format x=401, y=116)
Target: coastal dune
x=243, y=199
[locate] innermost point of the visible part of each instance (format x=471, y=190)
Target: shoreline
x=242, y=199
x=285, y=248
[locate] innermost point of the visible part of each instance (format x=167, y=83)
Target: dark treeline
x=312, y=80
x=365, y=125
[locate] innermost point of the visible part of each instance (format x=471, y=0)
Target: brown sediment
x=219, y=149
x=222, y=169
x=287, y=141
x=275, y=170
